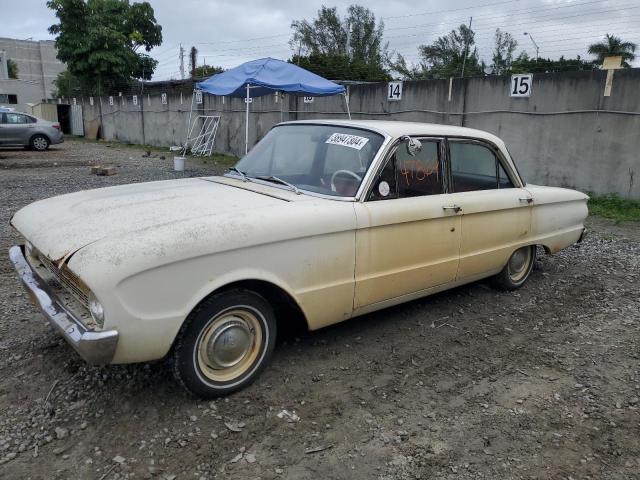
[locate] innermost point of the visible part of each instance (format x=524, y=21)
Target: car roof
x=396, y=129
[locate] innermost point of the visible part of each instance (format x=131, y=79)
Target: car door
x=496, y=215
x=15, y=129
x=406, y=242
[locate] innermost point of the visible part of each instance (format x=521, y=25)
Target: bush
x=615, y=207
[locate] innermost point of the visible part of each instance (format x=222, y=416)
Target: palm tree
x=614, y=46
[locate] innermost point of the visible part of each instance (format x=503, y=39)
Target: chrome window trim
x=392, y=150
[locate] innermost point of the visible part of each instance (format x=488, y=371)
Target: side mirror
x=414, y=146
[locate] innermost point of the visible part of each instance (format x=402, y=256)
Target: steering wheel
x=348, y=172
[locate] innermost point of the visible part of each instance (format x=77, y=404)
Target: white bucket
x=178, y=164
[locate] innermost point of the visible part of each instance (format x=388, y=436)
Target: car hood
x=59, y=226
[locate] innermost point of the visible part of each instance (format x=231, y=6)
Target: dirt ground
x=468, y=384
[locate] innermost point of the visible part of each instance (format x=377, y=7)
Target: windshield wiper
x=273, y=178
x=242, y=174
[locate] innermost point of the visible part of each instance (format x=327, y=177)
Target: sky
x=227, y=33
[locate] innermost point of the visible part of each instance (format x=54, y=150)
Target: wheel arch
x=288, y=311
x=39, y=134
x=289, y=315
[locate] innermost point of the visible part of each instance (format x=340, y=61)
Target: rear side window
x=475, y=167
x=15, y=118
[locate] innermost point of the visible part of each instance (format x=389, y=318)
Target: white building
x=38, y=67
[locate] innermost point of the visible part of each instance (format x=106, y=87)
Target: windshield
x=325, y=159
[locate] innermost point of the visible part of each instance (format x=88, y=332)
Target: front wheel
x=225, y=343
x=517, y=270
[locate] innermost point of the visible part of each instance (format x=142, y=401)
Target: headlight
x=96, y=309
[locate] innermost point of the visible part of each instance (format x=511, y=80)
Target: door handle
x=526, y=199
x=455, y=208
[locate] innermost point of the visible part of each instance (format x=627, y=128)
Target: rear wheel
x=225, y=343
x=517, y=270
x=39, y=142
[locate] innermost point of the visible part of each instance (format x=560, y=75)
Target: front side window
x=406, y=175
x=475, y=167
x=327, y=159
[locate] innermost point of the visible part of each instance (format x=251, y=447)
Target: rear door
x=16, y=129
x=496, y=215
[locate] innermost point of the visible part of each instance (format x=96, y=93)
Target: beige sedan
x=321, y=221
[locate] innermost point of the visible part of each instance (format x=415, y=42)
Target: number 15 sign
x=521, y=85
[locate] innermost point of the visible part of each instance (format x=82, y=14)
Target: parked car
x=321, y=220
x=22, y=130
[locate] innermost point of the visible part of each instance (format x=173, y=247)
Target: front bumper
x=95, y=347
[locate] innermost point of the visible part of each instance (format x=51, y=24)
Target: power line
x=450, y=10
x=483, y=18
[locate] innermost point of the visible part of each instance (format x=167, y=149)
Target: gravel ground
x=471, y=383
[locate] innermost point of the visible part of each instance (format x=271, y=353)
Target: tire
x=39, y=142
x=517, y=270
x=224, y=344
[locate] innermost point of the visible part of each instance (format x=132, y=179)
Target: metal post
x=346, y=102
x=186, y=142
x=246, y=121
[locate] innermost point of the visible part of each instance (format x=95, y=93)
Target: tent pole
x=186, y=142
x=246, y=126
x=346, y=102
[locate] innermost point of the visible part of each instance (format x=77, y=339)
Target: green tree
x=67, y=85
x=446, y=56
x=101, y=41
x=614, y=46
x=409, y=72
x=12, y=68
x=503, y=50
x=525, y=64
x=204, y=71
x=349, y=48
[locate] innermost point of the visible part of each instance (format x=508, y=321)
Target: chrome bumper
x=96, y=347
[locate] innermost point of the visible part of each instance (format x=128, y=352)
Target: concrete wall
x=27, y=91
x=37, y=63
x=566, y=134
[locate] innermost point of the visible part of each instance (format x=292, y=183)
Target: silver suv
x=20, y=129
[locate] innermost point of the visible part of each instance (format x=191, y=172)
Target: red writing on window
x=416, y=170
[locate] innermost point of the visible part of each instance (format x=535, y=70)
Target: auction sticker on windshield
x=346, y=140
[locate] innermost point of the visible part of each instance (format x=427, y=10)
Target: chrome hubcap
x=229, y=345
x=519, y=263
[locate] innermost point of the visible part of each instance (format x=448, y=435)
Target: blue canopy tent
x=265, y=76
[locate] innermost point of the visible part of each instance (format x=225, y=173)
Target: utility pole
x=181, y=62
x=534, y=44
x=466, y=49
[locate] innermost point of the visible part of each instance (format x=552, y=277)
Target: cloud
x=228, y=32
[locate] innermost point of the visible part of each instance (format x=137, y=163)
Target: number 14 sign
x=521, y=85
x=394, y=91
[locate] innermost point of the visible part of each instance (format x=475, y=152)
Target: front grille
x=67, y=279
